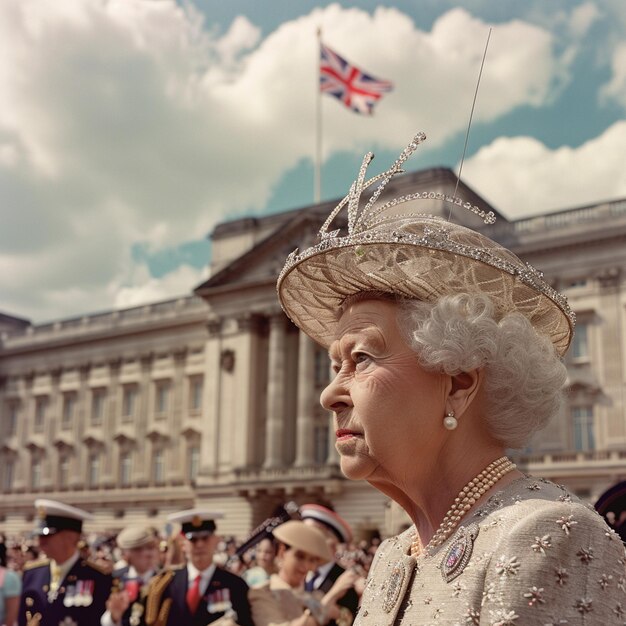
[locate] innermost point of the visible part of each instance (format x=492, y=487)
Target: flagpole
x=318, y=126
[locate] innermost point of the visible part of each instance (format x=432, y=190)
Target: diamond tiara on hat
x=392, y=249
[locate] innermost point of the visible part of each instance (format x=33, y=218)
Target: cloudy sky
x=129, y=128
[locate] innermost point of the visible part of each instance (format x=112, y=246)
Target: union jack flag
x=356, y=89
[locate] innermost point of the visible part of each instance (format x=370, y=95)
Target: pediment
x=263, y=263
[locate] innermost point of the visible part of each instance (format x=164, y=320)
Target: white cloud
x=521, y=177
x=130, y=122
x=582, y=18
x=146, y=288
x=616, y=88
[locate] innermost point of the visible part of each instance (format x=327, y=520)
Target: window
x=582, y=418
x=94, y=469
x=35, y=474
x=126, y=466
x=11, y=419
x=98, y=400
x=194, y=462
x=8, y=474
x=162, y=397
x=41, y=408
x=195, y=393
x=69, y=407
x=580, y=347
x=158, y=469
x=129, y=401
x=64, y=472
x=322, y=368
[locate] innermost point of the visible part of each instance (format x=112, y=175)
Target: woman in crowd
x=282, y=601
x=446, y=351
x=264, y=555
x=10, y=589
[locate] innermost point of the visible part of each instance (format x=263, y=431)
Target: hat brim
x=313, y=287
x=299, y=536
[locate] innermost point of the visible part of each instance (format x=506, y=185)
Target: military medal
x=70, y=596
x=219, y=601
x=86, y=592
x=135, y=614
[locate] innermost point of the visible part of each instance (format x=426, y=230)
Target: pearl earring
x=449, y=421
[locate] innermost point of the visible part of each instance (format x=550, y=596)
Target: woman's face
x=265, y=554
x=388, y=410
x=295, y=564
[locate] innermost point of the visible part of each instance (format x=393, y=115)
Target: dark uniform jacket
x=137, y=591
x=80, y=599
x=167, y=605
x=350, y=600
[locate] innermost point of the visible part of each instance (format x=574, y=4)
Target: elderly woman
x=282, y=601
x=446, y=351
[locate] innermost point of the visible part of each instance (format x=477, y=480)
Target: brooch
x=394, y=586
x=459, y=552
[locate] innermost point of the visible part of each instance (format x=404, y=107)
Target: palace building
x=212, y=399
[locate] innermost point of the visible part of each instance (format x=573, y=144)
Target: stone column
x=52, y=425
x=81, y=420
x=246, y=438
x=211, y=401
x=143, y=457
x=275, y=391
x=306, y=401
x=177, y=458
x=111, y=420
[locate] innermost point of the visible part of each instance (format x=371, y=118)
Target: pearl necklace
x=466, y=499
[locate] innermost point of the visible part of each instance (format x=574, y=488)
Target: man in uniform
x=63, y=588
x=197, y=593
x=336, y=530
x=140, y=549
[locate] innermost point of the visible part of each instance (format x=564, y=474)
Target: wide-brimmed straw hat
x=303, y=537
x=392, y=249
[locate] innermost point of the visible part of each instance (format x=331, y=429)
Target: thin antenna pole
x=317, y=189
x=469, y=125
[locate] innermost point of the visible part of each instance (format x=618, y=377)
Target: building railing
x=586, y=459
x=571, y=217
x=158, y=311
x=292, y=472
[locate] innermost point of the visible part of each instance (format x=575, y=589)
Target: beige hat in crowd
x=303, y=537
x=135, y=537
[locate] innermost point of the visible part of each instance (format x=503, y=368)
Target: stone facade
x=212, y=400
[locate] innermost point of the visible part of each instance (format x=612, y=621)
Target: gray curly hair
x=524, y=376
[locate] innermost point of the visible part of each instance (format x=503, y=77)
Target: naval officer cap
x=54, y=516
x=329, y=519
x=195, y=522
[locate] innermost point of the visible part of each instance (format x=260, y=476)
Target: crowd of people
x=309, y=566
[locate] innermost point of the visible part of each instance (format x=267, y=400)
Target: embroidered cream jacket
x=533, y=555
